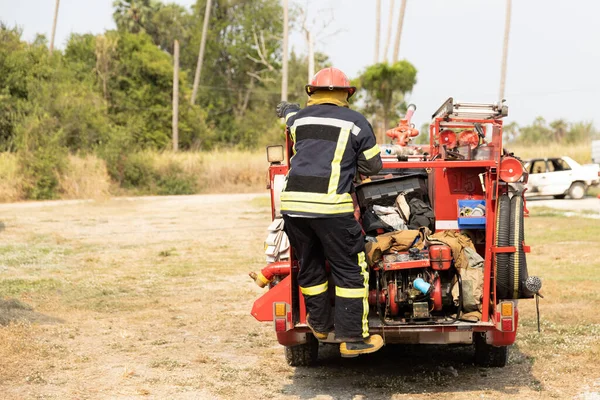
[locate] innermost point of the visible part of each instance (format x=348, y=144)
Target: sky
x=456, y=45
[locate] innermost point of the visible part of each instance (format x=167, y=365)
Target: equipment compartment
x=384, y=192
x=470, y=221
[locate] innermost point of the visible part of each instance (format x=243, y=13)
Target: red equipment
x=405, y=130
x=330, y=79
x=418, y=296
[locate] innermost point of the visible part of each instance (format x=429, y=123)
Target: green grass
x=18, y=287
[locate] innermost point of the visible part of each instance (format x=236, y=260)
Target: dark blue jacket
x=330, y=144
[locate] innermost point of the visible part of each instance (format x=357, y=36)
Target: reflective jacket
x=330, y=144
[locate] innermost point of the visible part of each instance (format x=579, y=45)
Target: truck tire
x=303, y=355
x=577, y=191
x=487, y=355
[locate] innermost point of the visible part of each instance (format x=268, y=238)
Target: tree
x=384, y=87
x=134, y=15
x=242, y=65
x=171, y=22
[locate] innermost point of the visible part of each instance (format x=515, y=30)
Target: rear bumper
x=451, y=333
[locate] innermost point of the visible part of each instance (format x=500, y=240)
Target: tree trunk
x=176, y=96
x=377, y=31
x=54, y=26
x=284, y=67
x=505, y=50
x=399, y=31
x=247, y=97
x=201, y=52
x=389, y=31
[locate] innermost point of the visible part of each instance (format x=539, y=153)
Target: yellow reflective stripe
x=293, y=135
x=357, y=293
x=372, y=152
x=317, y=208
x=314, y=290
x=290, y=115
x=317, y=197
x=340, y=148
x=365, y=273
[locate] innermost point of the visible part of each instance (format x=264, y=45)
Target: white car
x=559, y=177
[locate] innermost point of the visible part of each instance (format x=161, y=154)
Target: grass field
x=150, y=298
x=217, y=171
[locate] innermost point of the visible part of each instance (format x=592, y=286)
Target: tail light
x=506, y=316
x=280, y=316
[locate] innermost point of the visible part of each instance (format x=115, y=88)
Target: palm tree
x=134, y=15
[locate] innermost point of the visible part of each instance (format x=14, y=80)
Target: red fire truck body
x=464, y=165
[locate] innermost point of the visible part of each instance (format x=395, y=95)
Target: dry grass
x=17, y=342
x=11, y=182
x=234, y=171
x=86, y=177
x=581, y=153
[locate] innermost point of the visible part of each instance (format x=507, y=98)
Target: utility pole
x=399, y=32
x=284, y=67
x=201, y=52
x=311, y=55
x=505, y=50
x=54, y=26
x=176, y=96
x=377, y=31
x=389, y=31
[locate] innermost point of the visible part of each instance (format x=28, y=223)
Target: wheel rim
x=577, y=192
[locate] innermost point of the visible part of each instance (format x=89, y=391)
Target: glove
x=284, y=106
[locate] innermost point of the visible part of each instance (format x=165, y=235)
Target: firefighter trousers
x=340, y=241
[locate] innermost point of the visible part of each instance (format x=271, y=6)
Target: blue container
x=421, y=285
x=471, y=222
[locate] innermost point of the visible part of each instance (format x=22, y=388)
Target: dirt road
x=150, y=298
x=589, y=207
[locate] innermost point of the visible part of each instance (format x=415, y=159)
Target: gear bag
x=421, y=214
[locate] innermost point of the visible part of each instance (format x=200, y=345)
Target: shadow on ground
x=12, y=310
x=409, y=369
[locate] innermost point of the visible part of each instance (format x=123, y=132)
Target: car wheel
x=577, y=191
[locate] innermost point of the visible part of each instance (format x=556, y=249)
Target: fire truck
x=474, y=188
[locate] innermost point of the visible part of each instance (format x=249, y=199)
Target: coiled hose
x=511, y=268
x=503, y=272
x=517, y=263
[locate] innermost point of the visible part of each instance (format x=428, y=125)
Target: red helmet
x=330, y=79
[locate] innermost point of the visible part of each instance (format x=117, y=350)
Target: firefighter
x=331, y=142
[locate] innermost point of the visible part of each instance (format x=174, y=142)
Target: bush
x=42, y=158
x=149, y=173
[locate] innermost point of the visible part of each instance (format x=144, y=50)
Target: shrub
x=42, y=157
